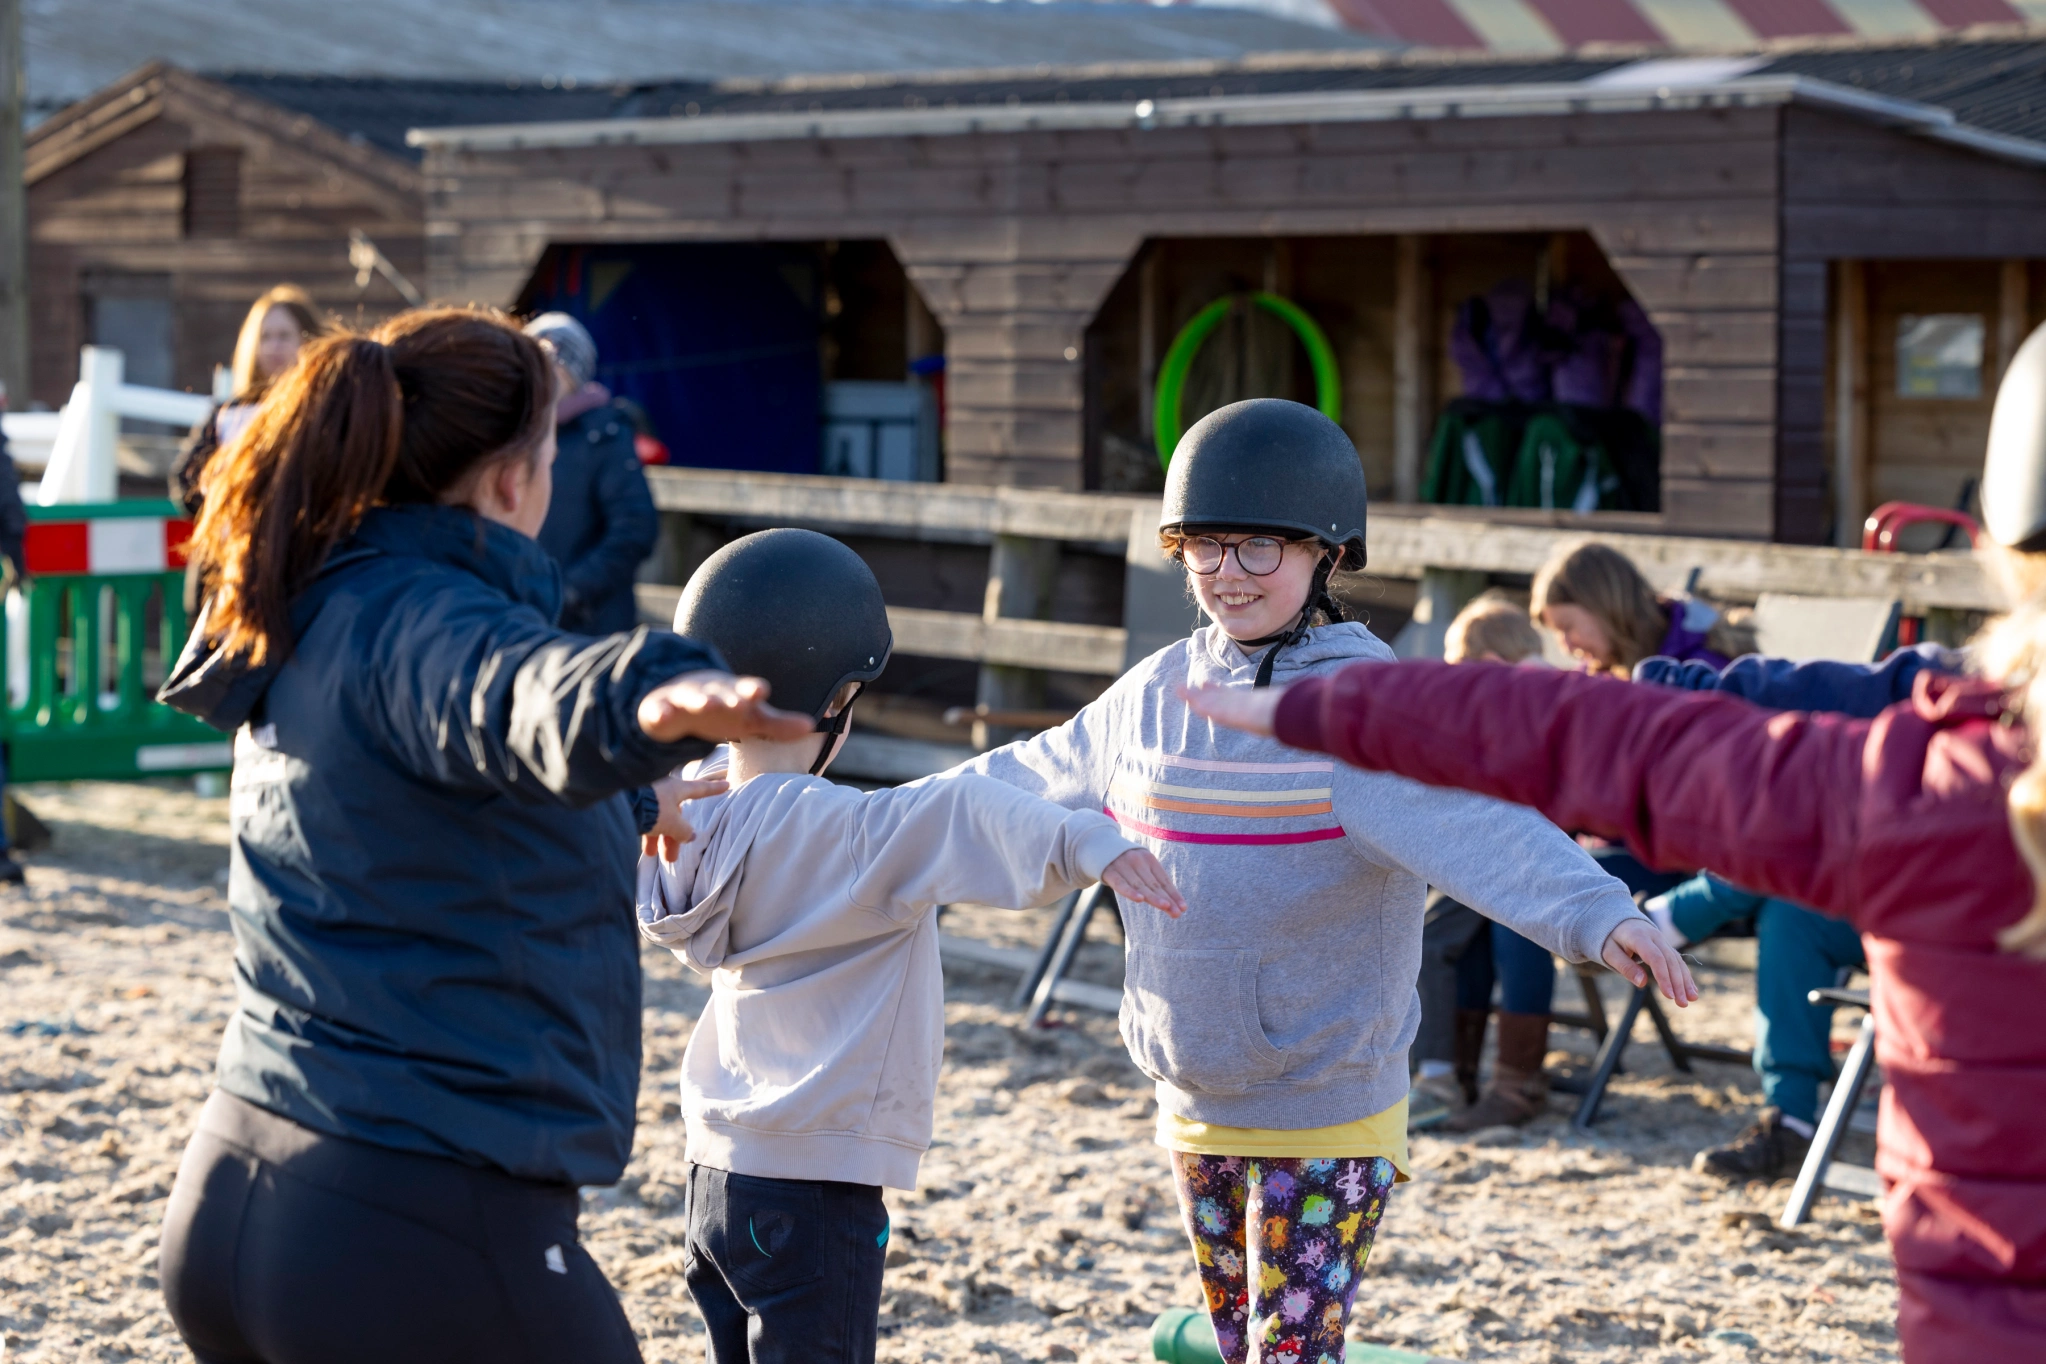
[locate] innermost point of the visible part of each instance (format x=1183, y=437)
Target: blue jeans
x=1525, y=971
x=1798, y=951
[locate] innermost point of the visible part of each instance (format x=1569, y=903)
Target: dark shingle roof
x=1998, y=85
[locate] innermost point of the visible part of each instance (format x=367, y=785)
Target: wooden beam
x=1413, y=398
x=2013, y=311
x=1850, y=402
x=953, y=510
x=1404, y=540
x=1403, y=546
x=1096, y=649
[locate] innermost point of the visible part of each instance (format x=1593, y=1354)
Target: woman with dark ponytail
x=436, y=1035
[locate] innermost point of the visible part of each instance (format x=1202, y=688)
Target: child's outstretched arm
x=1139, y=876
x=672, y=828
x=965, y=837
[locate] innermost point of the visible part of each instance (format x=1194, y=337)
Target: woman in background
x=1610, y=617
x=277, y=325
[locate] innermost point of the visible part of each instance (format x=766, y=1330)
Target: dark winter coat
x=13, y=515
x=431, y=884
x=601, y=524
x=1896, y=824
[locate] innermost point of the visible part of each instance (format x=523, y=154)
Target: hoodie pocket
x=1190, y=1018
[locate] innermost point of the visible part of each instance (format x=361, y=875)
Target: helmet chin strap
x=1317, y=596
x=833, y=727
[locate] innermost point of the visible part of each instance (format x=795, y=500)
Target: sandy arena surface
x=1044, y=1228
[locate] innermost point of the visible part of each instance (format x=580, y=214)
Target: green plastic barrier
x=1183, y=1335
x=100, y=621
x=1179, y=358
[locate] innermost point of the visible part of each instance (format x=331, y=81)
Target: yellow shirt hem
x=1382, y=1134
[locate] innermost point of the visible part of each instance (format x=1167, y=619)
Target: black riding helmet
x=796, y=608
x=2014, y=475
x=1269, y=465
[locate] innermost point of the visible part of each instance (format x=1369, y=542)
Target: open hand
x=673, y=829
x=1139, y=876
x=1636, y=949
x=1245, y=708
x=719, y=707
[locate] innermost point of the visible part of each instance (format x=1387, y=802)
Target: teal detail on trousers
x=1182, y=1335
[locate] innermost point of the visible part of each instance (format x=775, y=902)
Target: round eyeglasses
x=1257, y=555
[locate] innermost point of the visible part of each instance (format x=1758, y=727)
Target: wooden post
x=1148, y=304
x=13, y=212
x=1850, y=402
x=1443, y=593
x=1413, y=398
x=1020, y=573
x=2013, y=311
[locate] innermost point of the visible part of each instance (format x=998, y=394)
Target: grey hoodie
x=1285, y=997
x=812, y=907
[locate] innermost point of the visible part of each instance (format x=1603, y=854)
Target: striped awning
x=1544, y=26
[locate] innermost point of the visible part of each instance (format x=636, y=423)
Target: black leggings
x=285, y=1246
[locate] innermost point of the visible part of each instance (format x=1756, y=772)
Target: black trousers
x=282, y=1245
x=786, y=1271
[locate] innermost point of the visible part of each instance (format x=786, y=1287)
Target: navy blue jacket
x=431, y=884
x=601, y=524
x=1858, y=689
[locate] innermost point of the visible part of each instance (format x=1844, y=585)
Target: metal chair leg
x=1062, y=959
x=1679, y=1053
x=1026, y=989
x=1608, y=1061
x=1594, y=1004
x=1811, y=1176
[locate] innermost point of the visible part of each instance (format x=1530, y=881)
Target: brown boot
x=1520, y=1088
x=1469, y=1046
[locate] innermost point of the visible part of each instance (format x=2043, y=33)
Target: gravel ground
x=1044, y=1228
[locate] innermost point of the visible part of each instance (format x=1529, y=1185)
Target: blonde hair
x=2011, y=651
x=1599, y=579
x=1492, y=625
x=248, y=385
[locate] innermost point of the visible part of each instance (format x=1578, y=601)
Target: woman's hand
x=1246, y=708
x=673, y=829
x=1636, y=944
x=1139, y=876
x=719, y=707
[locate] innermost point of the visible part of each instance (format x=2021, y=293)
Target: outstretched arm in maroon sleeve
x=1686, y=779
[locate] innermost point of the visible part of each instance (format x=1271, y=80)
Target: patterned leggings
x=1281, y=1243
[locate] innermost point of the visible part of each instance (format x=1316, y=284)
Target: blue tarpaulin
x=718, y=342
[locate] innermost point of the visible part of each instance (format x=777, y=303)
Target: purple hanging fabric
x=1498, y=346
x=1643, y=393
x=1588, y=351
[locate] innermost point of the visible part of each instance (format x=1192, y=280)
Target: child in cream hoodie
x=809, y=1082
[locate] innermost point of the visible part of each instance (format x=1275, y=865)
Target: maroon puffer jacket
x=1896, y=824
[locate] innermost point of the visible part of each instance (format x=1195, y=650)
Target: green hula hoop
x=1179, y=358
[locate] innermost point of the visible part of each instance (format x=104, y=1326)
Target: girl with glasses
x=1275, y=1016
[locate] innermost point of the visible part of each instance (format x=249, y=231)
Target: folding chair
x=1061, y=944
x=1820, y=1170
x=1613, y=1041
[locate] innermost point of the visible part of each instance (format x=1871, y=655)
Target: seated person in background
x=1611, y=618
x=1797, y=950
x=1463, y=954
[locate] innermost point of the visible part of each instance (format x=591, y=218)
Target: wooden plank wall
x=1015, y=239
x=1857, y=192
x=106, y=198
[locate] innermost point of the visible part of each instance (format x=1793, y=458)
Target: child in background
x=809, y=1083
x=1611, y=618
x=1463, y=953
x=1276, y=1016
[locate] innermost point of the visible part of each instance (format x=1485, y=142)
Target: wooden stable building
x=1836, y=246
x=163, y=205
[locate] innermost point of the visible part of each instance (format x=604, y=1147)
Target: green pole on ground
x=1183, y=1335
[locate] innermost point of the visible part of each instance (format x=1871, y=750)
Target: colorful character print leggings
x=1281, y=1244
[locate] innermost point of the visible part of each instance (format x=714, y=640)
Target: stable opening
x=1477, y=370
x=778, y=357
